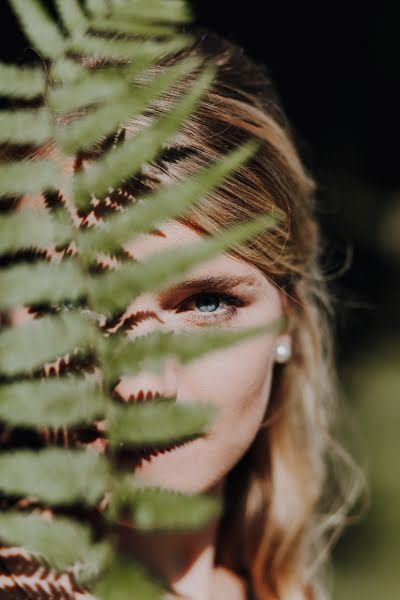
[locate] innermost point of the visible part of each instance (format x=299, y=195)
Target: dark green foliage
x=70, y=299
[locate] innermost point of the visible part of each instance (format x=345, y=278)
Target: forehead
x=167, y=235
x=173, y=234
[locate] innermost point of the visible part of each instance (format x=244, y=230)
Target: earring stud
x=283, y=352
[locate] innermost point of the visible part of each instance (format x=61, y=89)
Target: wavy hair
x=287, y=499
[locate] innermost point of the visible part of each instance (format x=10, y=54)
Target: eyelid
x=222, y=294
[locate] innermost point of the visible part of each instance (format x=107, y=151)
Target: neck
x=183, y=560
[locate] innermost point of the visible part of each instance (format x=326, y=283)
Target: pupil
x=207, y=300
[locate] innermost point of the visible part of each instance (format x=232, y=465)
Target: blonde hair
x=278, y=511
x=277, y=514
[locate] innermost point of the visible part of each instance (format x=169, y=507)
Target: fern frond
x=82, y=134
x=88, y=89
x=48, y=282
x=25, y=126
x=125, y=575
x=160, y=508
x=51, y=402
x=118, y=164
x=98, y=8
x=150, y=351
x=175, y=11
x=132, y=27
x=32, y=228
x=158, y=206
x=101, y=47
x=72, y=16
x=39, y=27
x=112, y=291
x=157, y=422
x=60, y=540
x=29, y=177
x=28, y=346
x=86, y=475
x=66, y=69
x=21, y=82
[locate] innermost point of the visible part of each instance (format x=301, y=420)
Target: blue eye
x=209, y=304
x=207, y=300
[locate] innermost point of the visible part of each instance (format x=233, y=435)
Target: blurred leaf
x=101, y=47
x=21, y=82
x=88, y=89
x=39, y=28
x=72, y=15
x=32, y=228
x=29, y=177
x=132, y=27
x=119, y=164
x=55, y=475
x=47, y=282
x=51, y=402
x=28, y=346
x=114, y=290
x=157, y=508
x=161, y=205
x=157, y=422
x=175, y=11
x=149, y=351
x=25, y=126
x=123, y=577
x=60, y=540
x=105, y=119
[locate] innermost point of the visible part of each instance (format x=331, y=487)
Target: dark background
x=336, y=67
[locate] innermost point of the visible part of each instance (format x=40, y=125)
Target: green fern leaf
x=21, y=82
x=175, y=11
x=61, y=541
x=88, y=89
x=39, y=27
x=47, y=283
x=158, y=508
x=98, y=8
x=66, y=70
x=28, y=346
x=101, y=47
x=112, y=291
x=157, y=422
x=32, y=228
x=51, y=402
x=85, y=475
x=149, y=351
x=131, y=27
x=123, y=162
x=188, y=348
x=161, y=205
x=123, y=577
x=25, y=126
x=29, y=177
x=72, y=15
x=106, y=119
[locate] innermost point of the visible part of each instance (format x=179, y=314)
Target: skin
x=237, y=380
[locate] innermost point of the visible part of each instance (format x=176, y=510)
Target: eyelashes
x=232, y=302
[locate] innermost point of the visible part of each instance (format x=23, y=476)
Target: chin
x=189, y=467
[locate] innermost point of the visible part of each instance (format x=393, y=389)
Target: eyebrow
x=216, y=281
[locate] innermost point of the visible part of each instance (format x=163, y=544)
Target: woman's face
x=237, y=379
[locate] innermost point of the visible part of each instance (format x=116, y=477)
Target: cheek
x=238, y=381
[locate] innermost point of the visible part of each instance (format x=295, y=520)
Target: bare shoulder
x=227, y=584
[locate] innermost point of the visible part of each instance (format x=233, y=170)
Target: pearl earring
x=283, y=352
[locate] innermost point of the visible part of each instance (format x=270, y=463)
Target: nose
x=145, y=385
